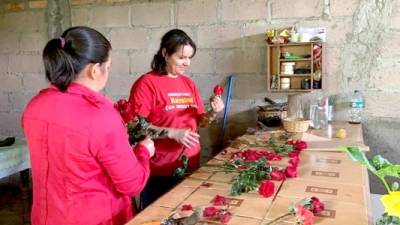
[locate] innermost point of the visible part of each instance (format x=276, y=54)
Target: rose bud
x=218, y=90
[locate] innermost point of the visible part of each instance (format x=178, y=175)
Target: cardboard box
x=152, y=213
x=335, y=212
x=331, y=174
x=330, y=159
x=174, y=197
x=300, y=188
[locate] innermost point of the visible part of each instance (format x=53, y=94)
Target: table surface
x=14, y=158
x=322, y=173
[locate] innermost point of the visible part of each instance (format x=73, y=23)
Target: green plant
x=382, y=168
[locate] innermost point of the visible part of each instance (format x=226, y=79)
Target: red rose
x=219, y=200
x=303, y=215
x=225, y=217
x=125, y=110
x=266, y=188
x=317, y=205
x=294, y=153
x=186, y=207
x=277, y=175
x=218, y=90
x=294, y=161
x=210, y=212
x=300, y=145
x=291, y=171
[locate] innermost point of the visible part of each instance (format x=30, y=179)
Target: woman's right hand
x=184, y=136
x=149, y=144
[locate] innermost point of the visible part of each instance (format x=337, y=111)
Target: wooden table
x=324, y=172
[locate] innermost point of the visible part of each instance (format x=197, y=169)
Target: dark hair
x=66, y=56
x=171, y=42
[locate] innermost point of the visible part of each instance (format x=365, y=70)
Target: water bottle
x=356, y=107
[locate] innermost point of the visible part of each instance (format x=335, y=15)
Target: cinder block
x=333, y=61
x=218, y=36
x=119, y=85
x=206, y=83
x=395, y=17
x=157, y=33
x=19, y=100
x=120, y=62
x=151, y=14
x=33, y=83
x=129, y=38
x=203, y=62
x=337, y=30
x=80, y=16
x=5, y=105
x=26, y=64
x=296, y=9
x=11, y=124
x=385, y=75
x=255, y=34
x=37, y=4
x=33, y=41
x=23, y=21
x=110, y=16
x=239, y=61
x=249, y=85
x=141, y=61
x=116, y=1
x=377, y=103
x=343, y=7
x=9, y=42
x=81, y=2
x=11, y=82
x=3, y=64
x=388, y=48
x=197, y=12
x=244, y=10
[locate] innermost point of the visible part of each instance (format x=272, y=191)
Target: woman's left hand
x=217, y=104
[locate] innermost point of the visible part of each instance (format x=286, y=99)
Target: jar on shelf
x=285, y=83
x=287, y=68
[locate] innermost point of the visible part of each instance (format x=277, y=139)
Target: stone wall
x=362, y=52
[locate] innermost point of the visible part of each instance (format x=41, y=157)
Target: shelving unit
x=274, y=63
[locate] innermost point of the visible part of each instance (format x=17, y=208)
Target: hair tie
x=62, y=42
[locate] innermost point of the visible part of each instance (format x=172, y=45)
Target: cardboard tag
x=321, y=190
x=324, y=174
x=328, y=161
x=327, y=213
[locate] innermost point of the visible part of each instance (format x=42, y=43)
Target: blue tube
x=231, y=79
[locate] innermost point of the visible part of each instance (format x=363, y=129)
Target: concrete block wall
x=362, y=50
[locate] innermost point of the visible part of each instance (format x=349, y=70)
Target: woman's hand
x=149, y=144
x=217, y=104
x=184, y=136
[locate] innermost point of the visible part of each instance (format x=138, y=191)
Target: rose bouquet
x=303, y=211
x=382, y=168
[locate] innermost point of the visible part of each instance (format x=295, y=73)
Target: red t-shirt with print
x=172, y=102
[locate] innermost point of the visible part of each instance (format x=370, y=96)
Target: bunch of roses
x=219, y=213
x=303, y=211
x=250, y=155
x=125, y=110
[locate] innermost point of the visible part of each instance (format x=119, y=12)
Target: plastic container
x=285, y=83
x=287, y=68
x=357, y=105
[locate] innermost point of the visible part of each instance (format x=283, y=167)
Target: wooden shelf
x=295, y=75
x=294, y=60
x=274, y=65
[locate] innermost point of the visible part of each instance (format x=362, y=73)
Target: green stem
x=384, y=183
x=278, y=218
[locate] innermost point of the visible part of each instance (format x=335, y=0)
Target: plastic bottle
x=357, y=104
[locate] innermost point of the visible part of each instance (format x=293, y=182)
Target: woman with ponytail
x=83, y=169
x=171, y=101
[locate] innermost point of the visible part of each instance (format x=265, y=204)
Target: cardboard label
x=324, y=174
x=231, y=201
x=329, y=161
x=327, y=213
x=321, y=190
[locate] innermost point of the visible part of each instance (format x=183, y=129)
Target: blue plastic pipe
x=231, y=80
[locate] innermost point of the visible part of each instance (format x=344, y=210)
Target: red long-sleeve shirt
x=83, y=168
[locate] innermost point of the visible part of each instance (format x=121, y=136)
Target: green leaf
x=357, y=155
x=391, y=171
x=379, y=162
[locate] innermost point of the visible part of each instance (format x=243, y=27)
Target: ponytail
x=65, y=57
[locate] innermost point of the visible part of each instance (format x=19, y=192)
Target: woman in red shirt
x=171, y=101
x=83, y=169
